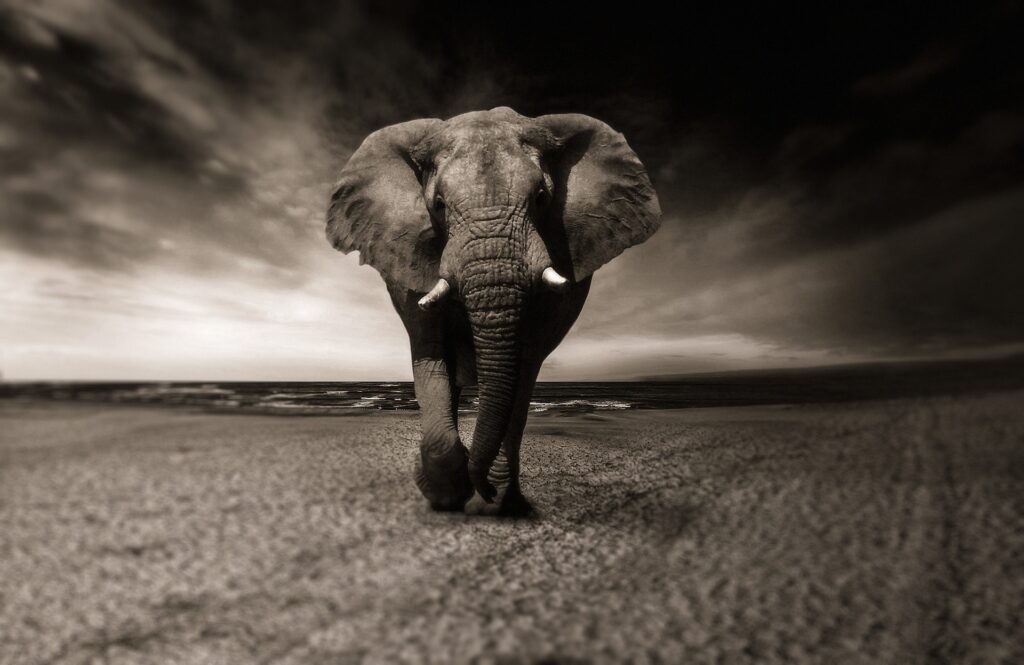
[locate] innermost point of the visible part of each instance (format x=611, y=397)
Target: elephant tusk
x=553, y=279
x=436, y=294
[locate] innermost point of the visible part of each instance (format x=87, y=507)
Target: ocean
x=791, y=386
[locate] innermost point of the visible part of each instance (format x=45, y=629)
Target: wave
x=306, y=397
x=580, y=406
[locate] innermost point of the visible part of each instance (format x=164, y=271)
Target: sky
x=840, y=183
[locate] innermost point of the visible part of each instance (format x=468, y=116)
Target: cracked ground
x=885, y=532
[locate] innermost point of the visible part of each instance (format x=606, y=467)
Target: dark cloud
x=835, y=178
x=68, y=89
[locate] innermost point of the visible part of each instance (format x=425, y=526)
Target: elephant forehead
x=485, y=148
x=489, y=174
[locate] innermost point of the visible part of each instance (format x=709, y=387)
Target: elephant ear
x=607, y=201
x=377, y=208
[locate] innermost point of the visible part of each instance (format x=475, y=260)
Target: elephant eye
x=542, y=195
x=439, y=205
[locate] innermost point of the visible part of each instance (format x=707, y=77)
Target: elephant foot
x=444, y=479
x=508, y=503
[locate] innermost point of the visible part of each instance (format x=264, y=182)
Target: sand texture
x=886, y=532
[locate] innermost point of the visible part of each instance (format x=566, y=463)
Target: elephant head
x=490, y=207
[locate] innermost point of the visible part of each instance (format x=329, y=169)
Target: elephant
x=486, y=229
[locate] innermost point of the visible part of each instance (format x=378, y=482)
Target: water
x=821, y=384
x=306, y=398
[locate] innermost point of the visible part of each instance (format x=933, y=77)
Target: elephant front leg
x=442, y=474
x=504, y=476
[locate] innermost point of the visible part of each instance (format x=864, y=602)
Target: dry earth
x=888, y=532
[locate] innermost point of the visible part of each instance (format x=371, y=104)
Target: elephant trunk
x=495, y=336
x=494, y=285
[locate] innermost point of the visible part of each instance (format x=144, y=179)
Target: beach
x=864, y=532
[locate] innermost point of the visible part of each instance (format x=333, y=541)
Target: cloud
x=80, y=324
x=164, y=171
x=897, y=81
x=163, y=205
x=904, y=251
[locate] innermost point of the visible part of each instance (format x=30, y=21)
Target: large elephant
x=486, y=229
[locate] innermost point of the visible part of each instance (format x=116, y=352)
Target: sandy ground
x=890, y=532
